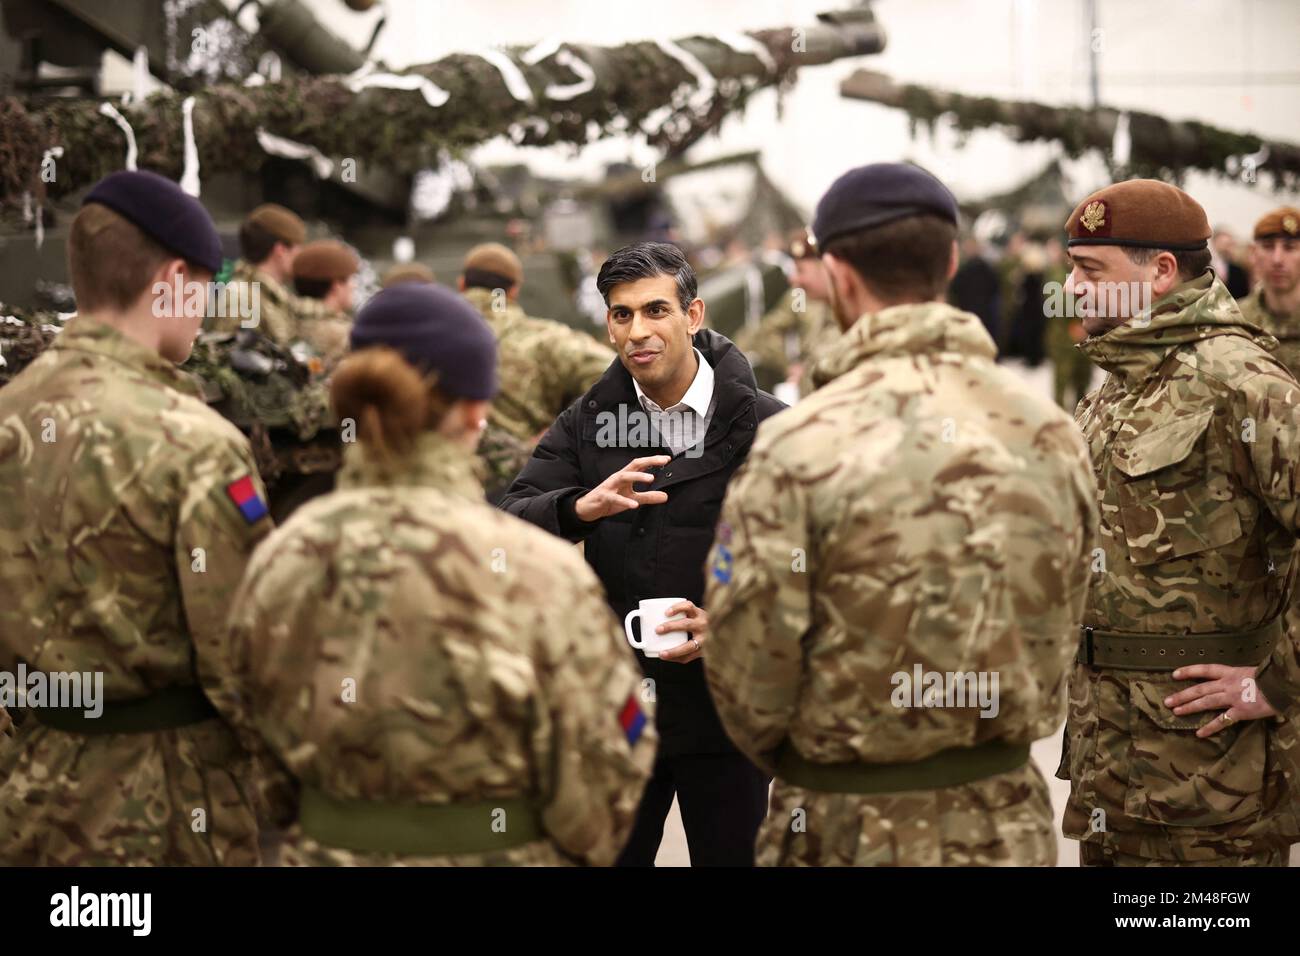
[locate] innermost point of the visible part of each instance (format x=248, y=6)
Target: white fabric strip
x=433, y=94
x=288, y=149
x=703, y=78
x=190, y=177
x=744, y=43
x=510, y=72
x=107, y=110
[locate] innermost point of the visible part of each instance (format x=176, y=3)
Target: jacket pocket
x=1179, y=779
x=1173, y=506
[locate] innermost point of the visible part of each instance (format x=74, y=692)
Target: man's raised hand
x=616, y=493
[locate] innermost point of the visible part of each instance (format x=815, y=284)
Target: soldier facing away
x=1172, y=748
x=921, y=517
x=257, y=295
x=444, y=681
x=545, y=365
x=130, y=509
x=1274, y=304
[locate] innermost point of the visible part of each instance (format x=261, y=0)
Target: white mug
x=653, y=613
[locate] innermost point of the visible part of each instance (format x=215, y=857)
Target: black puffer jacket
x=656, y=550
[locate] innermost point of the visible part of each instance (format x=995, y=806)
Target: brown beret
x=496, y=258
x=407, y=272
x=1145, y=213
x=279, y=222
x=1281, y=223
x=325, y=259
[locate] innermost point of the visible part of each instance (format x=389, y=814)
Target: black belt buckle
x=1087, y=645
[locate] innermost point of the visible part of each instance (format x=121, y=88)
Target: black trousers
x=723, y=799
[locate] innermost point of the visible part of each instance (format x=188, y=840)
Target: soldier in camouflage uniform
x=129, y=512
x=922, y=511
x=256, y=295
x=325, y=272
x=1071, y=369
x=1173, y=748
x=789, y=339
x=1274, y=305
x=444, y=681
x=545, y=365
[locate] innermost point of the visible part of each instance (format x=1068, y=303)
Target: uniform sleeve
x=573, y=363
x=1268, y=414
x=223, y=517
x=551, y=481
x=758, y=595
x=602, y=730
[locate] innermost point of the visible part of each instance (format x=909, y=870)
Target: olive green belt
x=166, y=709
x=1118, y=650
x=418, y=829
x=947, y=768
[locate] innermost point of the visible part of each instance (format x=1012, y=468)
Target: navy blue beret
x=436, y=331
x=164, y=212
x=873, y=195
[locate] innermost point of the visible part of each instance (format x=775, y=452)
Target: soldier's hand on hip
x=617, y=492
x=696, y=626
x=1231, y=689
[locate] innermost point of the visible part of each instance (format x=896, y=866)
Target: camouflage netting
x=638, y=85
x=1160, y=148
x=260, y=387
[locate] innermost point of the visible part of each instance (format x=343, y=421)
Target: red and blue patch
x=632, y=719
x=244, y=494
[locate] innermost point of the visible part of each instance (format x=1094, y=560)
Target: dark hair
x=643, y=260
x=313, y=288
x=1190, y=264
x=487, y=279
x=256, y=242
x=902, y=261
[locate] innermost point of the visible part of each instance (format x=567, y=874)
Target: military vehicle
x=261, y=103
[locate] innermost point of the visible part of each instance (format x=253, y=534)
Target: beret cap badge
x=1290, y=225
x=1094, y=216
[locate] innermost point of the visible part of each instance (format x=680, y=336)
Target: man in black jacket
x=624, y=470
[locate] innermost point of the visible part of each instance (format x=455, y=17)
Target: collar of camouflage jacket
x=83, y=333
x=1200, y=309
x=1282, y=325
x=434, y=462
x=271, y=287
x=481, y=299
x=917, y=328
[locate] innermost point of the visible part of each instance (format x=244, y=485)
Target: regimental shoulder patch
x=722, y=562
x=632, y=719
x=244, y=494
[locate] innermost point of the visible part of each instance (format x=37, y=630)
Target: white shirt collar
x=698, y=397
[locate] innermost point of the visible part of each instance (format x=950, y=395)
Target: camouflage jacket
x=120, y=548
x=255, y=297
x=403, y=642
x=1284, y=328
x=1195, y=446
x=786, y=336
x=543, y=366
x=327, y=332
x=921, y=511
